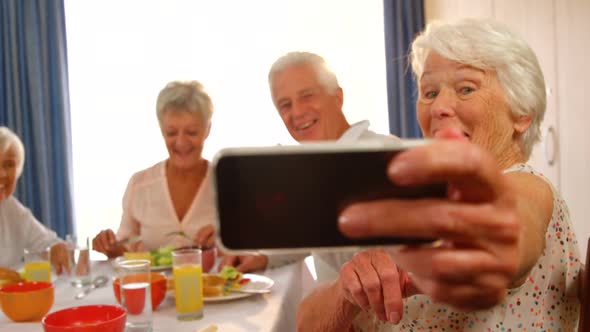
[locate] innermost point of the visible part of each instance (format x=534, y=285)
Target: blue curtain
x=34, y=102
x=403, y=20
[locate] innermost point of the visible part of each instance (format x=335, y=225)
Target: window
x=121, y=53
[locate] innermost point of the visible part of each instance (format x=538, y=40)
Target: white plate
x=257, y=282
x=117, y=260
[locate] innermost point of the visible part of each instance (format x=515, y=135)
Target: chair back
x=584, y=324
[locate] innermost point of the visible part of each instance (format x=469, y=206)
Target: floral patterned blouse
x=545, y=302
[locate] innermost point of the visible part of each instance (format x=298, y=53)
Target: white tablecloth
x=268, y=312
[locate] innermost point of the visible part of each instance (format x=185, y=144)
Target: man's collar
x=354, y=132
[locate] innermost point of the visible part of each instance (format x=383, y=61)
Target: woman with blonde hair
x=175, y=195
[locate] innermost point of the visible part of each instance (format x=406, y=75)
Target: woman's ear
x=208, y=129
x=522, y=123
x=340, y=96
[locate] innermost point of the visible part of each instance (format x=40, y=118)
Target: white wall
x=573, y=45
x=121, y=53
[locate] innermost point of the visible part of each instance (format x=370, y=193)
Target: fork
x=130, y=240
x=179, y=233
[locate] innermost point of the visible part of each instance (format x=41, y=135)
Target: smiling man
x=309, y=100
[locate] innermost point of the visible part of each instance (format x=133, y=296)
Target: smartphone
x=288, y=198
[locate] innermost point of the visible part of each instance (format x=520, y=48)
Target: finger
x=206, y=240
x=252, y=263
x=444, y=160
x=56, y=261
x=230, y=260
x=455, y=265
x=464, y=297
x=102, y=242
x=203, y=235
x=246, y=264
x=110, y=238
x=97, y=243
x=371, y=284
x=106, y=240
x=65, y=261
x=353, y=289
x=390, y=285
x=428, y=219
x=58, y=256
x=210, y=241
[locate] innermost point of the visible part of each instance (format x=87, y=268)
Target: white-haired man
x=306, y=93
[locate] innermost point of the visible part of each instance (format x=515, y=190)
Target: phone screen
x=280, y=201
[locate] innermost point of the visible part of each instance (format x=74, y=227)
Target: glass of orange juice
x=37, y=266
x=188, y=286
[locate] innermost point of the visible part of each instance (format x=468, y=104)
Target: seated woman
x=174, y=195
x=19, y=229
x=507, y=258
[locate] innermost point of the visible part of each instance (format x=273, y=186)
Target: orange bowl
x=157, y=286
x=89, y=318
x=26, y=301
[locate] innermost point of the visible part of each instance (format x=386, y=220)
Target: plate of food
x=230, y=284
x=161, y=258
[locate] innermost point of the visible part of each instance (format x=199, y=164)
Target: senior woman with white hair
x=19, y=229
x=507, y=258
x=174, y=195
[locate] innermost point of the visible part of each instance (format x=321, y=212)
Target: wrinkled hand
x=134, y=247
x=59, y=257
x=372, y=281
x=477, y=223
x=205, y=237
x=9, y=275
x=245, y=263
x=104, y=242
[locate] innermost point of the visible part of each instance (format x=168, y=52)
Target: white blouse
x=19, y=229
x=148, y=210
x=545, y=302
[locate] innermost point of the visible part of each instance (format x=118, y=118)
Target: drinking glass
x=79, y=260
x=188, y=286
x=134, y=277
x=37, y=265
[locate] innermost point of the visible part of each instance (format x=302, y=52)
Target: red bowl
x=157, y=287
x=27, y=301
x=89, y=318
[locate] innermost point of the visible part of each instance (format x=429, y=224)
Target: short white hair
x=8, y=139
x=190, y=95
x=488, y=45
x=325, y=75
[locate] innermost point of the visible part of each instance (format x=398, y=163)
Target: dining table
x=274, y=311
